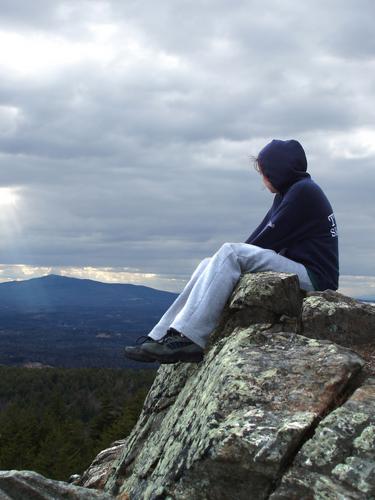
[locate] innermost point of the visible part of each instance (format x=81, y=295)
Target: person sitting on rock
x=298, y=235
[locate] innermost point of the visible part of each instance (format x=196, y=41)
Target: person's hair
x=254, y=160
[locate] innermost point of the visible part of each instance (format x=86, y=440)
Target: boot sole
x=139, y=357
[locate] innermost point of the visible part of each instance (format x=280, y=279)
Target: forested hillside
x=54, y=421
x=73, y=323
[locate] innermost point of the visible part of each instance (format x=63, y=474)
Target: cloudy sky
x=126, y=129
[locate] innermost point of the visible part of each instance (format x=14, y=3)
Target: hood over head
x=283, y=163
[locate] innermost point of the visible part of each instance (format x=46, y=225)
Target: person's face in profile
x=265, y=179
x=268, y=184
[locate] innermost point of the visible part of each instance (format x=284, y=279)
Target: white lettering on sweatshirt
x=333, y=229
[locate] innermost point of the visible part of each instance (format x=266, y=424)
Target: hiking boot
x=174, y=347
x=136, y=352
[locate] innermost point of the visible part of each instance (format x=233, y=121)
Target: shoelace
x=174, y=337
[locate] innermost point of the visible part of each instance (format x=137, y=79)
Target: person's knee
x=234, y=247
x=204, y=263
x=227, y=247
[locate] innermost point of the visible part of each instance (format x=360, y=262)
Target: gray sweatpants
x=197, y=309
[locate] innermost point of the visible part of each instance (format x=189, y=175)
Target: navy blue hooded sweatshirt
x=300, y=223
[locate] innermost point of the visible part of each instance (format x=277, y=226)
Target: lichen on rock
x=339, y=456
x=237, y=419
x=333, y=316
x=231, y=426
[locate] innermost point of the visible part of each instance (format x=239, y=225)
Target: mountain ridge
x=62, y=278
x=54, y=291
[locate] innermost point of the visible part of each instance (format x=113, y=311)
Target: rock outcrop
x=97, y=474
x=333, y=316
x=28, y=485
x=281, y=407
x=277, y=409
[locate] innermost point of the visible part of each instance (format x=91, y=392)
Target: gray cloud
x=128, y=127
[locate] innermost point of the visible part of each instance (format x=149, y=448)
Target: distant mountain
x=54, y=292
x=70, y=322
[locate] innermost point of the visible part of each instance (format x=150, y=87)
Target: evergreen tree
x=55, y=421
